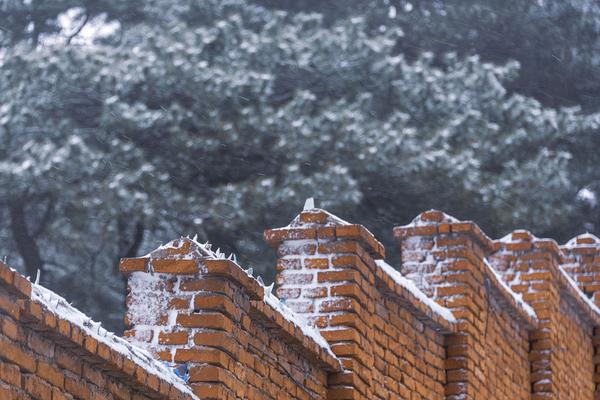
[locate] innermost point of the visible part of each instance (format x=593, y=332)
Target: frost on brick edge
x=570, y=244
x=412, y=288
x=147, y=300
x=64, y=310
x=200, y=250
x=518, y=297
x=297, y=320
x=588, y=300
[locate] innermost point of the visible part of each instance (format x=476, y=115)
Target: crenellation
x=462, y=317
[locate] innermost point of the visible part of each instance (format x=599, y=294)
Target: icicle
x=249, y=271
x=269, y=289
x=195, y=239
x=260, y=280
x=37, y=277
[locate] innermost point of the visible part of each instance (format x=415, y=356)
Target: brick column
x=323, y=273
x=445, y=258
x=186, y=306
x=526, y=266
x=561, y=346
x=582, y=262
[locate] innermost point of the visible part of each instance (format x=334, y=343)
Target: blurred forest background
x=124, y=124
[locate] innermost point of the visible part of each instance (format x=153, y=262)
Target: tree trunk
x=138, y=237
x=129, y=248
x=26, y=245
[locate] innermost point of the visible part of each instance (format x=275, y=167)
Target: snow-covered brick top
x=432, y=222
x=318, y=226
x=409, y=285
x=581, y=262
x=512, y=240
x=429, y=216
x=185, y=248
x=518, y=298
x=314, y=223
x=62, y=309
x=586, y=307
x=297, y=320
x=316, y=216
x=589, y=303
x=585, y=239
x=61, y=321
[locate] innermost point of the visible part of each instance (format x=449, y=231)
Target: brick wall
x=462, y=317
x=581, y=261
x=517, y=334
x=44, y=356
x=562, y=344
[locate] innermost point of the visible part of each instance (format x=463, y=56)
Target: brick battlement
x=462, y=317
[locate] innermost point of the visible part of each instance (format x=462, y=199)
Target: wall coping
x=431, y=313
x=46, y=311
x=433, y=222
x=317, y=223
x=523, y=310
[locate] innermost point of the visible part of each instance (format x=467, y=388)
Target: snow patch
x=148, y=300
x=573, y=242
x=518, y=297
x=587, y=196
x=59, y=306
x=412, y=287
x=297, y=320
x=309, y=204
x=571, y=282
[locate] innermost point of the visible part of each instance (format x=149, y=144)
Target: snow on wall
x=147, y=302
x=517, y=296
x=298, y=320
x=59, y=306
x=412, y=287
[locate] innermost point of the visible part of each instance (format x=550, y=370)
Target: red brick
x=173, y=337
x=184, y=267
x=37, y=387
x=14, y=353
